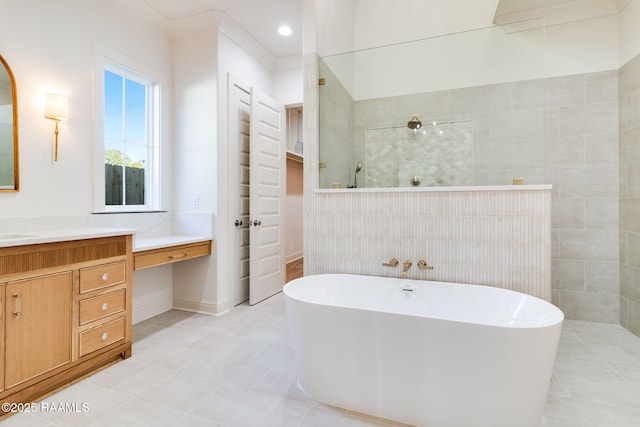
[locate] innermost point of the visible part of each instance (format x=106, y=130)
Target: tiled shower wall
x=560, y=131
x=630, y=195
x=507, y=122
x=581, y=161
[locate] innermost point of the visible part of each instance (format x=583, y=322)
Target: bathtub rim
x=557, y=318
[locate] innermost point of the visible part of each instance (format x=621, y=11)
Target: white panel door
x=239, y=127
x=268, y=189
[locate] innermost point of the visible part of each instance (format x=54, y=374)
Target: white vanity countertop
x=164, y=241
x=60, y=235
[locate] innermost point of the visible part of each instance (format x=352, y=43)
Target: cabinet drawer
x=96, y=338
x=101, y=306
x=155, y=257
x=101, y=276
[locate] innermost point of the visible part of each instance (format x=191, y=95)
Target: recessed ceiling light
x=284, y=30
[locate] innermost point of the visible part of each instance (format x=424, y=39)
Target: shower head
x=355, y=175
x=414, y=123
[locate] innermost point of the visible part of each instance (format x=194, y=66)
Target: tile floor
x=237, y=371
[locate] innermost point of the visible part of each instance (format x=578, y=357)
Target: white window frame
x=109, y=60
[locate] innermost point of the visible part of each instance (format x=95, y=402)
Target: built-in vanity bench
x=66, y=302
x=167, y=249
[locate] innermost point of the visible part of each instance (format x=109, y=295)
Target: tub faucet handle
x=406, y=266
x=422, y=265
x=393, y=262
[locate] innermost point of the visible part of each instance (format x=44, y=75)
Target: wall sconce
x=56, y=108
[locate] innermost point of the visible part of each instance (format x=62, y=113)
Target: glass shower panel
x=490, y=79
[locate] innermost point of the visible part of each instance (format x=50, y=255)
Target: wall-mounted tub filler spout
x=406, y=266
x=393, y=262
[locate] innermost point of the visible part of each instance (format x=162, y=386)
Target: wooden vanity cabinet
x=170, y=254
x=37, y=326
x=65, y=313
x=102, y=306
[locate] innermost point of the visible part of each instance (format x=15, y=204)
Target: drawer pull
x=105, y=336
x=182, y=255
x=105, y=276
x=18, y=311
x=105, y=306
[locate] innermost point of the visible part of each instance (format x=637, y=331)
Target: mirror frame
x=14, y=100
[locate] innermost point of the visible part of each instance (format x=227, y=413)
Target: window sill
x=128, y=212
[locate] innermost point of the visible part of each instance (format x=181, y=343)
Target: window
x=128, y=134
x=127, y=151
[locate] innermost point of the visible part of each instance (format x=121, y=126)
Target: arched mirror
x=9, y=180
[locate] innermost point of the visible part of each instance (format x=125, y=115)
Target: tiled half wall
x=500, y=238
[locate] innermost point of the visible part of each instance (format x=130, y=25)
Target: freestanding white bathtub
x=430, y=354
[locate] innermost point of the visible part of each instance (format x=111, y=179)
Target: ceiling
x=518, y=6
x=260, y=18
x=555, y=11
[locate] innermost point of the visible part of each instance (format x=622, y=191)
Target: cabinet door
x=38, y=326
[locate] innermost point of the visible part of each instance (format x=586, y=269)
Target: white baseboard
x=148, y=311
x=202, y=307
x=293, y=257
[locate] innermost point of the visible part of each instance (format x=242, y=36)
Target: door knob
x=238, y=223
x=257, y=223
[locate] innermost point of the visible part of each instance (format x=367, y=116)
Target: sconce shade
x=56, y=107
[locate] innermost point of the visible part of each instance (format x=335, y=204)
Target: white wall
x=347, y=25
x=49, y=48
x=582, y=47
x=460, y=36
x=579, y=47
x=207, y=49
x=444, y=62
x=381, y=23
x=194, y=43
x=287, y=80
x=629, y=32
x=335, y=23
x=152, y=293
